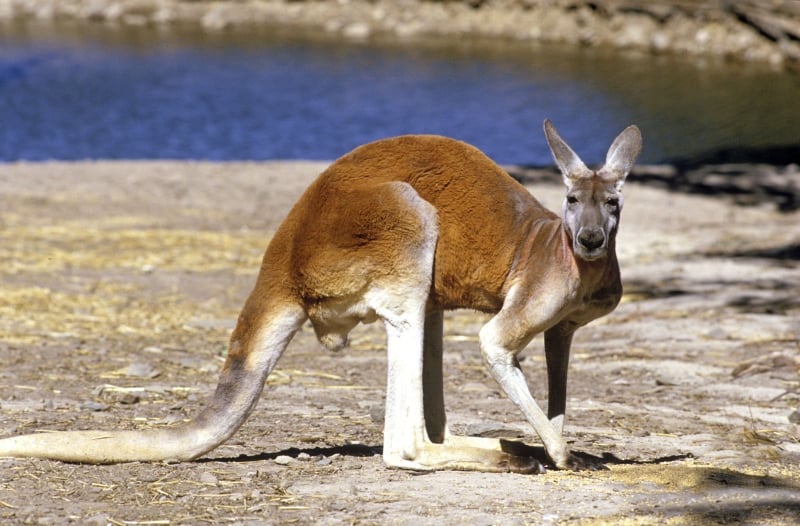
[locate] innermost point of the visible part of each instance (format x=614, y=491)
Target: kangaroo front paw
x=581, y=462
x=525, y=465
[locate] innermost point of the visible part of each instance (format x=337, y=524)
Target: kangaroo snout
x=591, y=238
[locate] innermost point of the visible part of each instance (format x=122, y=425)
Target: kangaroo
x=401, y=230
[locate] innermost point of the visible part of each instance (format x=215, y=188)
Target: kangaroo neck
x=590, y=273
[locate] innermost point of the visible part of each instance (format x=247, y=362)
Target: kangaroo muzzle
x=591, y=243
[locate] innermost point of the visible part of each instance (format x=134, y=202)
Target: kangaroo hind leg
x=415, y=429
x=432, y=378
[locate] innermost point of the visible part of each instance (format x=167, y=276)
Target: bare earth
x=119, y=284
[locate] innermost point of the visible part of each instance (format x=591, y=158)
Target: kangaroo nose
x=591, y=239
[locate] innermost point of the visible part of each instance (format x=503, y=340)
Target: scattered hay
x=106, y=309
x=51, y=248
x=87, y=306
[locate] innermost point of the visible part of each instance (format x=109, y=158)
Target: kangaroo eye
x=571, y=199
x=612, y=202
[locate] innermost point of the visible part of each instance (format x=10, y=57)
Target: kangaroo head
x=593, y=202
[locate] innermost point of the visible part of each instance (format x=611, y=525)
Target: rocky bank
x=748, y=30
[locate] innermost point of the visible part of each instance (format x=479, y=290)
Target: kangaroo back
x=482, y=211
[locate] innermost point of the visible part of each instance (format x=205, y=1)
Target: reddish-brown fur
x=484, y=215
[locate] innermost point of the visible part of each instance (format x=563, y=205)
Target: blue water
x=157, y=96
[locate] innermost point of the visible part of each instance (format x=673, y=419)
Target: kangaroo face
x=594, y=198
x=591, y=214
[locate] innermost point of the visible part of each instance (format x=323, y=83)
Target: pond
x=92, y=92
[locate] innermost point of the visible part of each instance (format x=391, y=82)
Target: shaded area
x=788, y=252
x=763, y=305
x=748, y=512
x=749, y=175
x=349, y=450
x=769, y=296
x=637, y=290
x=740, y=499
x=513, y=447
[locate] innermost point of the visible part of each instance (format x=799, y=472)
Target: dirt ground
x=120, y=282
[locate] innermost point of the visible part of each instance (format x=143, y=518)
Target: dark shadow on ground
x=347, y=450
x=521, y=449
x=763, y=296
x=513, y=447
x=741, y=498
x=789, y=252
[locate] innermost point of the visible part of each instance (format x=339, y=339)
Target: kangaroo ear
x=567, y=161
x=622, y=154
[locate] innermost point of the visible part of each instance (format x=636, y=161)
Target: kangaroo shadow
x=522, y=449
x=345, y=450
x=513, y=447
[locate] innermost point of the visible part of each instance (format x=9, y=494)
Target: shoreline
x=745, y=32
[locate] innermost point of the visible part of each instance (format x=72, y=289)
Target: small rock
x=94, y=406
x=377, y=413
x=283, y=460
x=141, y=370
x=795, y=417
x=135, y=370
x=128, y=399
x=97, y=520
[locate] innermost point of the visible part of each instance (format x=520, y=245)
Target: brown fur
x=483, y=214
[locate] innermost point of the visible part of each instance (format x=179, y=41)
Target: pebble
x=377, y=414
x=96, y=520
x=94, y=406
x=283, y=460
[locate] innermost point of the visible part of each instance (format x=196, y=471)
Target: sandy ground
x=119, y=284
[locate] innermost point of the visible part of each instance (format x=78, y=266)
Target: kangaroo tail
x=254, y=350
